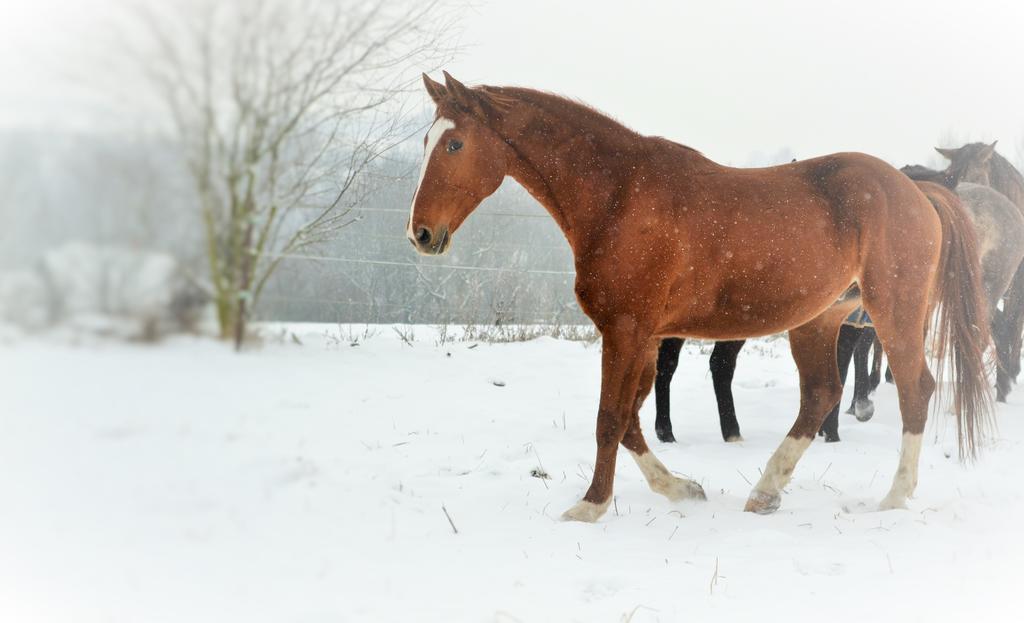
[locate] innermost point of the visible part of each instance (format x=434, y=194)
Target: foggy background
x=89, y=152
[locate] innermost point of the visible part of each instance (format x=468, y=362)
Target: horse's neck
x=556, y=182
x=579, y=201
x=529, y=171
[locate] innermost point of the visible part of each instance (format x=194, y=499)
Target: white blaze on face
x=441, y=125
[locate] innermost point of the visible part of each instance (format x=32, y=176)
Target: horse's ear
x=435, y=89
x=461, y=94
x=987, y=152
x=947, y=153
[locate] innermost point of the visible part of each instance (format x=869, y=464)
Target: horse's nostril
x=423, y=235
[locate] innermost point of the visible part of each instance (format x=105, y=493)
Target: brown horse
x=668, y=243
x=980, y=163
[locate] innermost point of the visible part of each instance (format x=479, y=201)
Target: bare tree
x=280, y=107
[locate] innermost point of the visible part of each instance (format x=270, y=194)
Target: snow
x=24, y=299
x=305, y=483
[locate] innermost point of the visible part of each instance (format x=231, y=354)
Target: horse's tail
x=961, y=325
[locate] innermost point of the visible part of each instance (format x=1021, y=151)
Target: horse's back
x=978, y=197
x=863, y=195
x=997, y=220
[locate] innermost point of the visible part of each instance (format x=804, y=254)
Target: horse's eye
x=454, y=145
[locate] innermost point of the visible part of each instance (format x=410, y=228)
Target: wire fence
x=352, y=260
x=481, y=213
x=526, y=278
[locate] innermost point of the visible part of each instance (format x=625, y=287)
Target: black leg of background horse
x=848, y=337
x=668, y=359
x=856, y=374
x=723, y=366
x=861, y=406
x=1004, y=345
x=876, y=365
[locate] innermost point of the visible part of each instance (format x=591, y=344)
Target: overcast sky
x=729, y=78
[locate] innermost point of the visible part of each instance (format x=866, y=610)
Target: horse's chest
x=612, y=288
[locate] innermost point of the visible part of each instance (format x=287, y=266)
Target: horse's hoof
x=734, y=438
x=682, y=489
x=585, y=511
x=832, y=437
x=665, y=436
x=864, y=411
x=762, y=503
x=851, y=411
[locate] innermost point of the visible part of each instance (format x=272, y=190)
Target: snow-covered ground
x=305, y=483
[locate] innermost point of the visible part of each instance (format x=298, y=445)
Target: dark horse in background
x=999, y=226
x=668, y=243
x=856, y=337
x=981, y=164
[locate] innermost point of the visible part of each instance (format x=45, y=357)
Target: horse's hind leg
x=814, y=350
x=900, y=323
x=1006, y=333
x=997, y=278
x=657, y=475
x=1013, y=322
x=723, y=367
x=668, y=360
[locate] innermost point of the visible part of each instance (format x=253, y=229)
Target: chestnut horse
x=668, y=243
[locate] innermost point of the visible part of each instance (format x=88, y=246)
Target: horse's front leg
x=624, y=353
x=657, y=475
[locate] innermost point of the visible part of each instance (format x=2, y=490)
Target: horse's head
x=969, y=163
x=464, y=162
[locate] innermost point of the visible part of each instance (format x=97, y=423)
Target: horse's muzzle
x=431, y=243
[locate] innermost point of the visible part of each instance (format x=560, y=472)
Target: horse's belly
x=743, y=312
